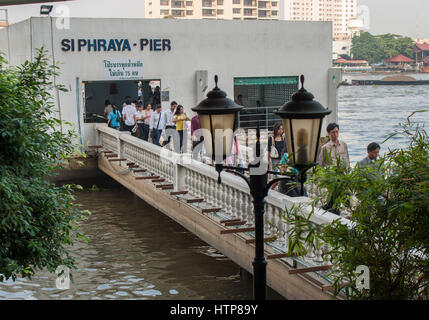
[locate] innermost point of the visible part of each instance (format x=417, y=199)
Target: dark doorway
x=95, y=93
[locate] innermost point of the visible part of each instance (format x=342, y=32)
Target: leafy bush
x=37, y=218
x=389, y=222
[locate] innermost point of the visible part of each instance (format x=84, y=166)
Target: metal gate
x=261, y=96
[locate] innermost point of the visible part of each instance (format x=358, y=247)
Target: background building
x=213, y=9
x=340, y=12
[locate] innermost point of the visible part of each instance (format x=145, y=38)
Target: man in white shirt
x=156, y=124
x=128, y=115
x=334, y=149
x=170, y=126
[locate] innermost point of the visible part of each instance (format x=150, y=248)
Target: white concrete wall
x=16, y=42
x=227, y=48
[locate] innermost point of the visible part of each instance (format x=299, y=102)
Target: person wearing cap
x=156, y=125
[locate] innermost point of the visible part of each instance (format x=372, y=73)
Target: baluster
x=326, y=257
x=218, y=191
x=274, y=227
x=191, y=182
x=210, y=191
x=232, y=202
x=245, y=207
x=318, y=253
x=186, y=180
x=207, y=189
x=200, y=183
x=240, y=205
x=224, y=205
x=195, y=182
x=267, y=219
x=229, y=199
x=282, y=226
x=202, y=186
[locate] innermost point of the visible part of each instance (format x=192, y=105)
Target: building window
x=164, y=2
x=177, y=13
x=236, y=1
x=220, y=2
x=177, y=4
x=207, y=3
x=208, y=12
x=189, y=12
x=249, y=3
x=236, y=10
x=165, y=12
x=248, y=12
x=189, y=3
x=220, y=11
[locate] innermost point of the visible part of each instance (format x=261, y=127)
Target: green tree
x=389, y=222
x=38, y=220
x=380, y=47
x=393, y=45
x=367, y=47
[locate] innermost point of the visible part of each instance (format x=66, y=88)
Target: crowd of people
x=332, y=151
x=150, y=122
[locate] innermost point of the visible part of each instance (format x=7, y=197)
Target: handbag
x=274, y=153
x=152, y=135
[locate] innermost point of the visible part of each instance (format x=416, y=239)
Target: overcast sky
x=405, y=17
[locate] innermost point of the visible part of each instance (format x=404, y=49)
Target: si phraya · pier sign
x=111, y=45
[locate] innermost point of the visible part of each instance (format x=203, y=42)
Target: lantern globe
x=302, y=122
x=218, y=119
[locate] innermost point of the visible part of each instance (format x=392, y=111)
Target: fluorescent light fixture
x=45, y=10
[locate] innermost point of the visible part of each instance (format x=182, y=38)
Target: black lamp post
x=302, y=121
x=218, y=122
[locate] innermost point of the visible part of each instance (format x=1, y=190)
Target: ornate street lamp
x=302, y=122
x=218, y=116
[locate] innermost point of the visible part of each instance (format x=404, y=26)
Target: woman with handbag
x=276, y=148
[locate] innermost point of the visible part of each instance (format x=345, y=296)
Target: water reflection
x=136, y=252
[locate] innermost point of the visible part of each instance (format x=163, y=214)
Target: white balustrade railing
x=232, y=195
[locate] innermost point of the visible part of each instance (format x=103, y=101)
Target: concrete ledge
x=234, y=246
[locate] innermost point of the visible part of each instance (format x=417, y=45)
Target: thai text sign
x=123, y=69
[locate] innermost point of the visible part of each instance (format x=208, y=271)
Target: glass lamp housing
x=217, y=115
x=302, y=122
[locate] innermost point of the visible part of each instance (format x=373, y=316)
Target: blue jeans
x=156, y=136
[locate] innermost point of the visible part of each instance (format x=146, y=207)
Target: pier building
x=105, y=58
